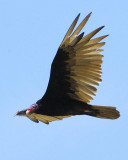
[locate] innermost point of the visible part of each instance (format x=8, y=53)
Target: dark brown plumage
x=75, y=71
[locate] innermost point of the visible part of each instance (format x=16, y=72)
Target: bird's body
x=75, y=71
x=62, y=107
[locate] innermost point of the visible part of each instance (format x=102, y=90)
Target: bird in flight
x=75, y=73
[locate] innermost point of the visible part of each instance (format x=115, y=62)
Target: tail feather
x=105, y=112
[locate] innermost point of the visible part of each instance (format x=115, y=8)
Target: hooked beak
x=20, y=113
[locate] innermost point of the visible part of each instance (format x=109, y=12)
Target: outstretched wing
x=44, y=118
x=76, y=68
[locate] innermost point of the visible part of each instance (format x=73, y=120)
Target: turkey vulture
x=75, y=71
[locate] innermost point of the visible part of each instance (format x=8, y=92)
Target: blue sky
x=30, y=34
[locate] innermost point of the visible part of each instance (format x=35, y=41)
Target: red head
x=32, y=108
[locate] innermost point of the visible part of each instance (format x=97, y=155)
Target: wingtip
x=102, y=26
x=89, y=14
x=87, y=17
x=105, y=36
x=82, y=34
x=78, y=16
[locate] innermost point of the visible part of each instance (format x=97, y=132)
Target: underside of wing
x=76, y=69
x=44, y=118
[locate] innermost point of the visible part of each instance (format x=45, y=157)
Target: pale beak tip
x=16, y=114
